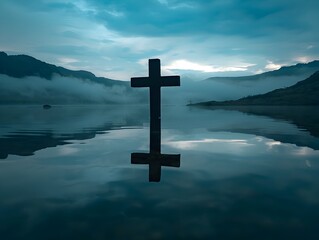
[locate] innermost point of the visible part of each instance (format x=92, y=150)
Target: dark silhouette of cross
x=155, y=81
x=155, y=159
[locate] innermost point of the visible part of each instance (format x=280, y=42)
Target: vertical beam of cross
x=155, y=159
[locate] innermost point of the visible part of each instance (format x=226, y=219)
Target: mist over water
x=62, y=90
x=65, y=90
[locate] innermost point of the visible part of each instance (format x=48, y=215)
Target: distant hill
x=232, y=88
x=20, y=66
x=295, y=70
x=27, y=80
x=305, y=92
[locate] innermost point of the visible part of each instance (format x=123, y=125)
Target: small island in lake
x=46, y=106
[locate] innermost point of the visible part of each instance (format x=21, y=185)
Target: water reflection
x=287, y=124
x=155, y=159
x=27, y=129
x=239, y=178
x=304, y=117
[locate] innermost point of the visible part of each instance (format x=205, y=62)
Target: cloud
x=188, y=65
x=244, y=18
x=305, y=59
x=110, y=38
x=272, y=66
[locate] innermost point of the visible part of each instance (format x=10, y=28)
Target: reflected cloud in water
x=194, y=144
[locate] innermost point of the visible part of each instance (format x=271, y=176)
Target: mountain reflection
x=305, y=118
x=27, y=129
x=26, y=143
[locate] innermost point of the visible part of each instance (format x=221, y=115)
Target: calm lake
x=248, y=173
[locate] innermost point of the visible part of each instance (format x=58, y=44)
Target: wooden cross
x=155, y=159
x=155, y=81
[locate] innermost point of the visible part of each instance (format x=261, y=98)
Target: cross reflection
x=155, y=159
x=155, y=162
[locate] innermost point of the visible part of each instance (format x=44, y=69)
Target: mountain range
x=305, y=92
x=20, y=66
x=299, y=69
x=232, y=88
x=27, y=80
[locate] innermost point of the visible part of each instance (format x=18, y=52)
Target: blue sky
x=197, y=39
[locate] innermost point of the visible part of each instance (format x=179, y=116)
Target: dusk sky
x=199, y=39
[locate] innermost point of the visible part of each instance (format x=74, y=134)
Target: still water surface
x=250, y=173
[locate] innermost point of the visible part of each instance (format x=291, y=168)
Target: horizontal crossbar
x=168, y=160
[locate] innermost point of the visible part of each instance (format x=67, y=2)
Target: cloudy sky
x=198, y=39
